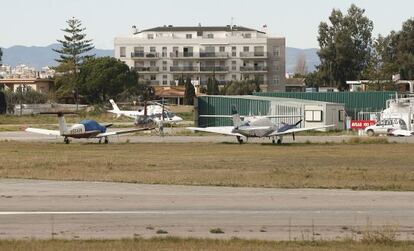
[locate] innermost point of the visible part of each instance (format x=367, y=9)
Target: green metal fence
x=221, y=105
x=354, y=101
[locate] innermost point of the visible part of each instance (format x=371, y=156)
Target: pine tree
x=74, y=46
x=189, y=94
x=72, y=54
x=212, y=86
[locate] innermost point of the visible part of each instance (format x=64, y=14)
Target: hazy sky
x=38, y=22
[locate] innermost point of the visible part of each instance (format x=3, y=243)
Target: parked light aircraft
x=86, y=129
x=155, y=113
x=401, y=133
x=256, y=126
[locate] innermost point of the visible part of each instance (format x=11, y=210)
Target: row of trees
x=348, y=51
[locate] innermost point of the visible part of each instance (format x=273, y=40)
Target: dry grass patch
x=200, y=244
x=354, y=166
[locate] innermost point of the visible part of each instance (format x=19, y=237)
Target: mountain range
x=39, y=56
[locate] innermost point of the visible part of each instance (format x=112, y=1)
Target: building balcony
x=145, y=55
x=255, y=54
x=214, y=68
x=150, y=82
x=183, y=55
x=147, y=69
x=204, y=54
x=183, y=69
x=253, y=68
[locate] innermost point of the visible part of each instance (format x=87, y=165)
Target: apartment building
x=162, y=55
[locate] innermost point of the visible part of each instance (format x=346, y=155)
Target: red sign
x=362, y=124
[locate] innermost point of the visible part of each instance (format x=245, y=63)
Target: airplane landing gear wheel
x=240, y=140
x=273, y=141
x=279, y=141
x=66, y=140
x=106, y=140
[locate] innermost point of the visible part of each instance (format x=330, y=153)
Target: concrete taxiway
x=42, y=209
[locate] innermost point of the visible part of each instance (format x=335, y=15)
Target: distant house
x=42, y=85
x=175, y=94
x=295, y=84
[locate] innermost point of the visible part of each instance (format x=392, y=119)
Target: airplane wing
x=266, y=116
x=101, y=135
x=295, y=130
x=403, y=133
x=225, y=130
x=43, y=131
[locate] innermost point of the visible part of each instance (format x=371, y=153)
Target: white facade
x=402, y=108
x=163, y=54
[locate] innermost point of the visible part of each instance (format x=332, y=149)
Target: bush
x=25, y=95
x=3, y=104
x=216, y=231
x=160, y=231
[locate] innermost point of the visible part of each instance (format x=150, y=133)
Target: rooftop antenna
x=231, y=25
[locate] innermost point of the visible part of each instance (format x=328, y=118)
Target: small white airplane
x=86, y=129
x=400, y=133
x=256, y=127
x=155, y=113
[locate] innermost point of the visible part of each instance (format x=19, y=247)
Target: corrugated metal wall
x=354, y=101
x=221, y=105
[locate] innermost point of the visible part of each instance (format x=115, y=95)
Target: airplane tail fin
x=298, y=123
x=62, y=124
x=115, y=107
x=236, y=117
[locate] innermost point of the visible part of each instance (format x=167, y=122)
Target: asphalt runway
x=172, y=138
x=83, y=210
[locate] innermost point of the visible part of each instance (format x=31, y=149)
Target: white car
x=386, y=126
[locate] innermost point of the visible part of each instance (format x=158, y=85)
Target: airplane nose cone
x=177, y=119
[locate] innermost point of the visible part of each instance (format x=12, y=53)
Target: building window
x=247, y=35
x=313, y=116
x=153, y=64
x=276, y=80
x=234, y=51
x=246, y=49
x=276, y=51
x=164, y=79
x=164, y=52
x=234, y=77
x=233, y=65
x=277, y=66
x=211, y=35
x=150, y=36
x=259, y=51
x=188, y=51
x=122, y=52
x=164, y=65
x=153, y=77
x=222, y=49
x=153, y=49
x=189, y=36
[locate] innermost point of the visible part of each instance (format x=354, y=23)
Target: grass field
x=354, y=166
x=198, y=244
